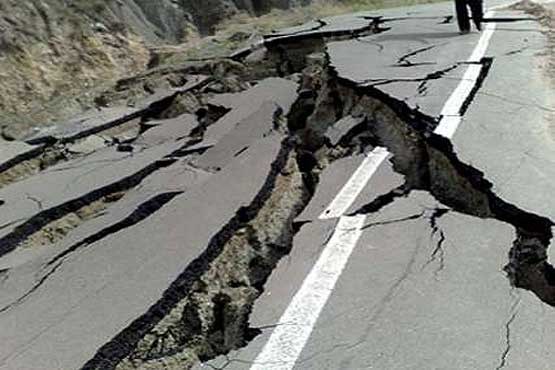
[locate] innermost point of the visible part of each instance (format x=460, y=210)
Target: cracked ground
x=365, y=191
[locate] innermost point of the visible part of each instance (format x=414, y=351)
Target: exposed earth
x=368, y=190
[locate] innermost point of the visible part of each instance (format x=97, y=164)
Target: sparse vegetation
x=57, y=55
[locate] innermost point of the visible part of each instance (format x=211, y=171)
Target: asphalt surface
x=415, y=285
x=400, y=302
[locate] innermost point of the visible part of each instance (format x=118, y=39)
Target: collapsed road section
x=154, y=250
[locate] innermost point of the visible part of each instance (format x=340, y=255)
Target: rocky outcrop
x=161, y=20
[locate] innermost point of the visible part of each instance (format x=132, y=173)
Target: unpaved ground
x=549, y=20
x=546, y=15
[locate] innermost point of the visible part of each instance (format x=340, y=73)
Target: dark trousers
x=476, y=6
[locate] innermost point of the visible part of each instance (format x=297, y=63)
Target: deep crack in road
x=206, y=203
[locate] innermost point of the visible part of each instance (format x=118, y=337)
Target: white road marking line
x=448, y=126
x=451, y=112
x=455, y=102
x=356, y=184
x=296, y=324
x=481, y=48
x=287, y=341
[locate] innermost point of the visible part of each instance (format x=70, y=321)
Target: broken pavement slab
x=89, y=145
x=101, y=119
x=15, y=152
x=172, y=129
x=410, y=307
x=281, y=92
x=419, y=68
x=333, y=180
x=88, y=123
x=28, y=268
x=342, y=128
x=506, y=130
x=399, y=292
x=128, y=287
x=66, y=188
x=394, y=333
x=245, y=134
x=109, y=289
x=310, y=26
x=336, y=26
x=309, y=242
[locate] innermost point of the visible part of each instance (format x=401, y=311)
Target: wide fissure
x=209, y=317
x=205, y=312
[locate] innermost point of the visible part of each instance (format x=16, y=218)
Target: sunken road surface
x=330, y=210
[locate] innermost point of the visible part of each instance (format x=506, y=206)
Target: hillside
x=57, y=56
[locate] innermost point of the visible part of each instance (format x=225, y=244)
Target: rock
x=100, y=27
x=89, y=145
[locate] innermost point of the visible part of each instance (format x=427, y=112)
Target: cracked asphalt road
x=318, y=219
x=418, y=294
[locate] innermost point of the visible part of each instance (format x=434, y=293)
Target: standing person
x=476, y=6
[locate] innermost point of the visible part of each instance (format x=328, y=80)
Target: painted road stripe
x=351, y=190
x=455, y=102
x=481, y=48
x=451, y=112
x=296, y=324
x=451, y=118
x=448, y=126
x=287, y=341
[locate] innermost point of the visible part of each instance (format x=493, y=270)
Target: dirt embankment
x=53, y=49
